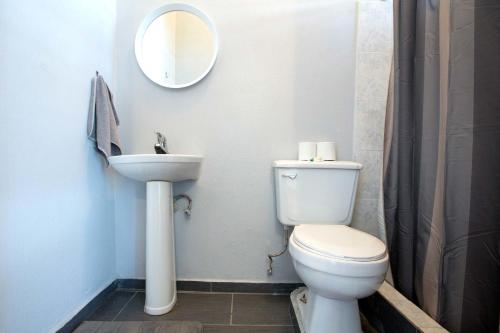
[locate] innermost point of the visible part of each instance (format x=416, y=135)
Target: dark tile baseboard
x=194, y=286
x=264, y=288
x=228, y=287
x=199, y=286
x=88, y=309
x=131, y=284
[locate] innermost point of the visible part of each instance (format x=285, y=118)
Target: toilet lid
x=340, y=241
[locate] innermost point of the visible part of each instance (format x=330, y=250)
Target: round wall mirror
x=176, y=45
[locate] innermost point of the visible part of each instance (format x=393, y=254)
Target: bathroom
x=406, y=89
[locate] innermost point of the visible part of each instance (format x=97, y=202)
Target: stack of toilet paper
x=317, y=151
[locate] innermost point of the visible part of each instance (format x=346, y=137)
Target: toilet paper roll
x=307, y=151
x=326, y=151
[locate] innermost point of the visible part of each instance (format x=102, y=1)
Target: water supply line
x=283, y=250
x=187, y=210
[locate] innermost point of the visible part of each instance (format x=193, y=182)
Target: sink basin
x=158, y=167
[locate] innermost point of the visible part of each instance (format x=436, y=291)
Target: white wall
x=56, y=198
x=285, y=73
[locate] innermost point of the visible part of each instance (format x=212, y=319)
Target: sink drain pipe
x=270, y=257
x=186, y=197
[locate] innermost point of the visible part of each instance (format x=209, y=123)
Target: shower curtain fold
x=442, y=160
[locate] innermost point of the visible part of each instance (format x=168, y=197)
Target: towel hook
x=96, y=73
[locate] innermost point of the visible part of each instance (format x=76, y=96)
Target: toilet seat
x=319, y=256
x=340, y=242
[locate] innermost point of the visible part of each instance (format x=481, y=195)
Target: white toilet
x=337, y=263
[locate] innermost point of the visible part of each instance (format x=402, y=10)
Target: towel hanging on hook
x=102, y=121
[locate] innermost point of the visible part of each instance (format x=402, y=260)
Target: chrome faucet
x=161, y=146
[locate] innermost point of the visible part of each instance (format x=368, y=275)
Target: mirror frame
x=163, y=10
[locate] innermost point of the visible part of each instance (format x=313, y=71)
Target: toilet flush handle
x=290, y=176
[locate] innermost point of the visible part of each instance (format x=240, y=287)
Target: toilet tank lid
x=317, y=165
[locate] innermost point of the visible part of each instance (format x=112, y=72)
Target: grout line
x=219, y=292
x=124, y=306
x=231, y=315
x=228, y=292
x=251, y=325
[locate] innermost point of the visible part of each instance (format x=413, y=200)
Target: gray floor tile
x=109, y=327
x=139, y=327
x=247, y=329
x=204, y=308
x=249, y=309
x=88, y=327
x=130, y=327
x=171, y=327
x=113, y=305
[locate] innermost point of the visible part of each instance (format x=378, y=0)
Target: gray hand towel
x=102, y=122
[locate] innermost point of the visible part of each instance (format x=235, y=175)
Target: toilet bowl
x=339, y=265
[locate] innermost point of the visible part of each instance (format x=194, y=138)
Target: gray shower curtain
x=442, y=160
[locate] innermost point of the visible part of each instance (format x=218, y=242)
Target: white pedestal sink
x=159, y=172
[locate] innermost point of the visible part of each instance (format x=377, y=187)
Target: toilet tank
x=315, y=192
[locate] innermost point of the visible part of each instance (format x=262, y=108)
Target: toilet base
x=325, y=315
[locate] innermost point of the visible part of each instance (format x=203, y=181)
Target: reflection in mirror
x=176, y=49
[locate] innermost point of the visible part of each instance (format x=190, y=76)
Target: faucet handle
x=161, y=138
x=161, y=146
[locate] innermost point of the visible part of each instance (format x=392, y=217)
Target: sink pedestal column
x=161, y=293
